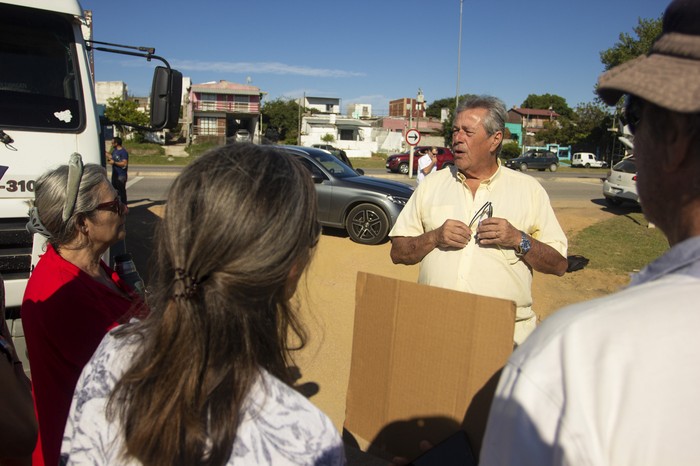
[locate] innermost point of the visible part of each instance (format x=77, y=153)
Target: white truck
x=48, y=112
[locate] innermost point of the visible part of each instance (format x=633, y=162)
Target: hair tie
x=190, y=282
x=75, y=173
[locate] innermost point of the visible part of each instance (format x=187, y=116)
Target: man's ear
x=497, y=138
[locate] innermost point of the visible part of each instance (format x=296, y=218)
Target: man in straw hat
x=615, y=381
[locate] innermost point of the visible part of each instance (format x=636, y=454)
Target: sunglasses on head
x=116, y=206
x=632, y=115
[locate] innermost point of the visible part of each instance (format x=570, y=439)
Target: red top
x=65, y=313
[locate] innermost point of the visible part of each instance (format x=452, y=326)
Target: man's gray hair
x=495, y=119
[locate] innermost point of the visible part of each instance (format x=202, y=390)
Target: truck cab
x=47, y=113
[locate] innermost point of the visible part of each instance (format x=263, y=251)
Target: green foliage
x=434, y=110
x=628, y=47
x=510, y=150
x=586, y=130
x=281, y=119
x=544, y=101
x=622, y=244
x=328, y=137
x=138, y=149
x=125, y=111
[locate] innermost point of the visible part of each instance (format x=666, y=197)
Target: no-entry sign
x=412, y=137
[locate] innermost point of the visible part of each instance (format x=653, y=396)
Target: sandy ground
x=327, y=299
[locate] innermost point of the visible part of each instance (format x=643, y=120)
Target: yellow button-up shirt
x=485, y=270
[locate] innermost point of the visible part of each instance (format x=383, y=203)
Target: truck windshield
x=39, y=79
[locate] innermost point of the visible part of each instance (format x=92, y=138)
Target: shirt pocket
x=436, y=216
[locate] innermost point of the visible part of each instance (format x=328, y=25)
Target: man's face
x=471, y=145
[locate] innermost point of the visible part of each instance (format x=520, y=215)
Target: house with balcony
x=224, y=110
x=531, y=120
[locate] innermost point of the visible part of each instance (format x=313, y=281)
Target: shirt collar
x=487, y=182
x=683, y=258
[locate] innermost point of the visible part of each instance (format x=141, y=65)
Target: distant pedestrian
x=119, y=160
x=427, y=163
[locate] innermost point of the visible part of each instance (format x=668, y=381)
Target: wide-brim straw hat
x=669, y=76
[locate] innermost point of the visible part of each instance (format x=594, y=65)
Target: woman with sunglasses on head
x=205, y=379
x=72, y=298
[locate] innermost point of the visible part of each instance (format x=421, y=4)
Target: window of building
x=208, y=101
x=208, y=126
x=347, y=135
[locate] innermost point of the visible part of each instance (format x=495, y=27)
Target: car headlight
x=398, y=200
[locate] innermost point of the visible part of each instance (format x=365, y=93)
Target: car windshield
x=626, y=166
x=337, y=168
x=39, y=79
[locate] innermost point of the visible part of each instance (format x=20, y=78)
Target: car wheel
x=588, y=165
x=523, y=167
x=367, y=224
x=553, y=167
x=403, y=168
x=613, y=201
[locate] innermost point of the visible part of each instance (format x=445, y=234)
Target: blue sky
x=372, y=51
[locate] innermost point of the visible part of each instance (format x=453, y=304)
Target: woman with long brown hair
x=204, y=378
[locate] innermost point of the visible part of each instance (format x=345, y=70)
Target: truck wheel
x=523, y=167
x=553, y=167
x=588, y=165
x=367, y=224
x=403, y=168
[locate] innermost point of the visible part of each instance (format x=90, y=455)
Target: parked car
x=243, y=135
x=366, y=207
x=588, y=160
x=398, y=163
x=539, y=159
x=621, y=183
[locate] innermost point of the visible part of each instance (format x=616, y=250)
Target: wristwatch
x=524, y=246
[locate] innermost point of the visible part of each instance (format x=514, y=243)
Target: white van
x=586, y=159
x=47, y=113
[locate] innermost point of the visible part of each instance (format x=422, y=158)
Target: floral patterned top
x=279, y=426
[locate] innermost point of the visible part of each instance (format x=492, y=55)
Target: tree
x=545, y=101
x=281, y=117
x=627, y=47
x=125, y=111
x=510, y=150
x=586, y=130
x=328, y=137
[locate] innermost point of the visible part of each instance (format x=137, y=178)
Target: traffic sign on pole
x=412, y=137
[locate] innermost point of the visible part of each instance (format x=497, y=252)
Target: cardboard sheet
x=425, y=363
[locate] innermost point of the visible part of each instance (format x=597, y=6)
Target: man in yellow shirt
x=480, y=227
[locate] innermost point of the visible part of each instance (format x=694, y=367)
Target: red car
x=398, y=163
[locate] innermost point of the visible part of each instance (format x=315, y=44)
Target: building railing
x=228, y=107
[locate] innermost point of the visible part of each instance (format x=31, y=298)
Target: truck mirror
x=166, y=93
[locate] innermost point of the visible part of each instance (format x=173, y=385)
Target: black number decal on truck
x=22, y=186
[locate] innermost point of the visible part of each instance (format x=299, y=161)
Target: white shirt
x=423, y=162
x=612, y=381
x=279, y=426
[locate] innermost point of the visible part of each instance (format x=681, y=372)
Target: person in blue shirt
x=119, y=160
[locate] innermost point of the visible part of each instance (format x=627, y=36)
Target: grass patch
x=159, y=160
x=143, y=149
x=195, y=150
x=622, y=244
x=376, y=161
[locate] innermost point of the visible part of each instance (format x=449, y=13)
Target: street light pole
x=459, y=53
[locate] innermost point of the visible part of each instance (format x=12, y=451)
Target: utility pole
x=459, y=53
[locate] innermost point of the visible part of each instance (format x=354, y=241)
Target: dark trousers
x=119, y=183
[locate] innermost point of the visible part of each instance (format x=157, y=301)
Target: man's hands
x=453, y=234
x=498, y=231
